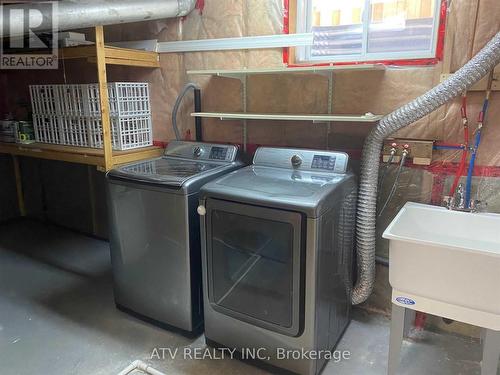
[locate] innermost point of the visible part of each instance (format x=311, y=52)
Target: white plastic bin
x=47, y=129
x=71, y=114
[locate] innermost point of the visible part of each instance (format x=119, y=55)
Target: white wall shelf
x=238, y=73
x=326, y=71
x=369, y=118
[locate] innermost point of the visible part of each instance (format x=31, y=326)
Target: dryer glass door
x=254, y=264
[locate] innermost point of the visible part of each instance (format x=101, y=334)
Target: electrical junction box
x=419, y=150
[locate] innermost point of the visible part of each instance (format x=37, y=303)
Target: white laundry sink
x=445, y=257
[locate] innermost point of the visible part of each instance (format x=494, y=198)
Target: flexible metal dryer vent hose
x=463, y=79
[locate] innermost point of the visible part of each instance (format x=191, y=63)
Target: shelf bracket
x=330, y=93
x=242, y=77
x=238, y=76
x=244, y=86
x=330, y=109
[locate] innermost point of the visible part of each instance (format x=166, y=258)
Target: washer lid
x=182, y=161
x=166, y=171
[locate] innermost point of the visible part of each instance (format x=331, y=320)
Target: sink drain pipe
x=456, y=84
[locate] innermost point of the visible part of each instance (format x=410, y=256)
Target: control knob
x=197, y=151
x=296, y=161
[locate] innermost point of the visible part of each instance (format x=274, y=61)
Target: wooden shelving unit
x=369, y=118
x=104, y=159
x=79, y=155
x=113, y=56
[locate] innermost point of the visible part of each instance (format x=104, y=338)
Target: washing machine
x=155, y=233
x=277, y=249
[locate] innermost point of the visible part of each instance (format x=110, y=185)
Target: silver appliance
x=277, y=245
x=155, y=233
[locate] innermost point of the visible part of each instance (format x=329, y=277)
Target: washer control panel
x=201, y=151
x=218, y=153
x=300, y=159
x=324, y=162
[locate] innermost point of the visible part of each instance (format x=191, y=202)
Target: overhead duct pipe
x=76, y=14
x=456, y=84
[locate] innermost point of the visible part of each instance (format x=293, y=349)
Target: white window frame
x=304, y=25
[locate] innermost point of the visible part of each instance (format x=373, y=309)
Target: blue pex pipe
x=468, y=186
x=448, y=147
x=485, y=106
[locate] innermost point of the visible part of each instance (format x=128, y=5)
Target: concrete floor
x=57, y=316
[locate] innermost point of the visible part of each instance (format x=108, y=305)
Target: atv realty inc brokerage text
x=262, y=354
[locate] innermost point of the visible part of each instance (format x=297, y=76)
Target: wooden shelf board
x=130, y=54
x=281, y=70
x=80, y=155
x=138, y=63
x=289, y=117
x=114, y=56
x=122, y=157
x=79, y=52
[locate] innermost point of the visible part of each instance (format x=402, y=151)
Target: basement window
x=368, y=30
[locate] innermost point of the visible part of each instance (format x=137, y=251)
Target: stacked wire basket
x=71, y=115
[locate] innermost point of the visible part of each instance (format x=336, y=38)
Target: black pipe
x=382, y=261
x=197, y=120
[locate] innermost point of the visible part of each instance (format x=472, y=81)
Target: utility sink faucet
x=457, y=201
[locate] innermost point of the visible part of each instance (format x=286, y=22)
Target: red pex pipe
x=465, y=152
x=420, y=318
x=286, y=29
x=460, y=171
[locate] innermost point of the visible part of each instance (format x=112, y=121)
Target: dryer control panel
x=302, y=159
x=201, y=151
